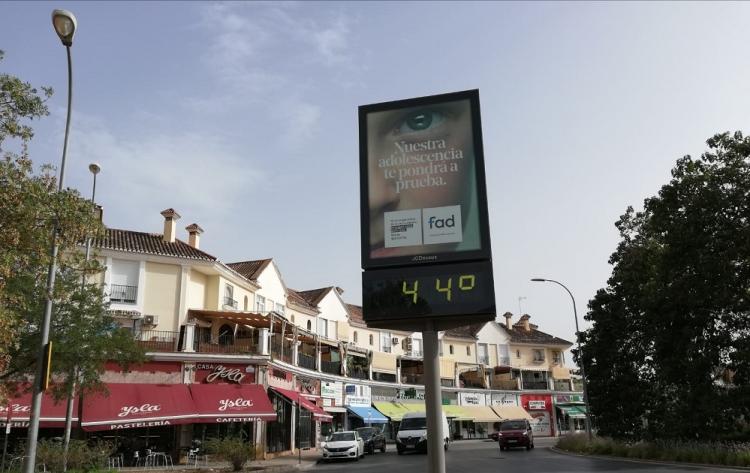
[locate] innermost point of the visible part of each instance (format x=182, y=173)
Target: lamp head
x=538, y=280
x=65, y=25
x=94, y=168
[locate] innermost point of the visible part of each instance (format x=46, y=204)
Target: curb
x=650, y=462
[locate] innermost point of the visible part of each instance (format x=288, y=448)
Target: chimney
x=339, y=290
x=508, y=318
x=525, y=321
x=194, y=238
x=170, y=224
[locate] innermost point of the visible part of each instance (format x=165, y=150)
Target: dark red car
x=515, y=433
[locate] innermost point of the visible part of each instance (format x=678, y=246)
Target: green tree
x=82, y=332
x=674, y=319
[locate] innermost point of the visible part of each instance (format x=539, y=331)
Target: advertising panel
x=422, y=181
x=539, y=406
x=357, y=395
x=332, y=393
x=472, y=399
x=504, y=400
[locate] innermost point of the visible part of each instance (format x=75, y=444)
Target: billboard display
x=423, y=191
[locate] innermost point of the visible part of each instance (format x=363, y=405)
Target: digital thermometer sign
x=447, y=290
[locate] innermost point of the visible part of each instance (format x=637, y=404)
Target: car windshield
x=366, y=433
x=342, y=436
x=413, y=423
x=513, y=426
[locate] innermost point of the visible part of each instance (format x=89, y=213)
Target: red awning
x=294, y=396
x=231, y=403
x=130, y=406
x=52, y=415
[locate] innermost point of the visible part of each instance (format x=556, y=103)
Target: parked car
x=373, y=439
x=515, y=433
x=343, y=445
x=412, y=433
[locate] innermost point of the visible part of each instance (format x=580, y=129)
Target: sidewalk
x=283, y=464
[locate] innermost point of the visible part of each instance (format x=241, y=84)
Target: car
x=373, y=439
x=515, y=433
x=412, y=433
x=347, y=445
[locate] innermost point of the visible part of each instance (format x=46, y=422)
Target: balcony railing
x=158, y=340
x=410, y=378
x=122, y=293
x=229, y=302
x=330, y=367
x=505, y=384
x=562, y=385
x=484, y=360
x=306, y=361
x=225, y=344
x=543, y=385
x=503, y=361
x=358, y=373
x=417, y=353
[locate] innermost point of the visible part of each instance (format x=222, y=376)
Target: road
x=476, y=456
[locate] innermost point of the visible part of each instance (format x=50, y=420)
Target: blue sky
x=243, y=117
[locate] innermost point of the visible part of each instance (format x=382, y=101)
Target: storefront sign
x=238, y=403
x=382, y=394
x=230, y=374
x=504, y=400
x=135, y=425
x=357, y=395
x=472, y=399
x=333, y=391
x=537, y=405
x=568, y=398
x=143, y=408
x=224, y=373
x=410, y=393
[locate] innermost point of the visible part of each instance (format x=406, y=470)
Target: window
x=484, y=356
x=468, y=351
x=450, y=349
x=371, y=340
x=322, y=327
x=260, y=304
x=518, y=353
x=385, y=341
x=354, y=337
x=292, y=318
x=123, y=285
x=309, y=325
x=229, y=296
x=245, y=305
x=538, y=356
x=280, y=308
x=557, y=357
x=416, y=347
x=269, y=305
x=504, y=355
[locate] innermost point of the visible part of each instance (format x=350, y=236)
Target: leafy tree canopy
x=668, y=354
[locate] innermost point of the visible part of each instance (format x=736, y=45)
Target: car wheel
x=382, y=449
x=400, y=450
x=528, y=447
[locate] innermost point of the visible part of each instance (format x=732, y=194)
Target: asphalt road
x=475, y=456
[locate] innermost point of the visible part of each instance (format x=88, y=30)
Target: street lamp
x=65, y=27
x=580, y=352
x=95, y=169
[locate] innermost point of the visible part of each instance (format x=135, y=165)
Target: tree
x=82, y=332
x=674, y=319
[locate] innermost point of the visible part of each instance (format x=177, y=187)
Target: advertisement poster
x=423, y=181
x=504, y=400
x=472, y=399
x=541, y=424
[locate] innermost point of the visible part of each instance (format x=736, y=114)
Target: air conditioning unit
x=394, y=341
x=150, y=320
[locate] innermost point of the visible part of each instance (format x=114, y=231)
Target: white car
x=343, y=445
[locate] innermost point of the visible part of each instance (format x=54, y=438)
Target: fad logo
x=225, y=404
x=143, y=408
x=442, y=225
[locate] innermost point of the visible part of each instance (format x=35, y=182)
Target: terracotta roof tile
x=296, y=298
x=149, y=243
x=314, y=296
x=355, y=315
x=250, y=269
x=467, y=331
x=519, y=335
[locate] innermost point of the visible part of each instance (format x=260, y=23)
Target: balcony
x=505, y=384
x=562, y=385
x=412, y=378
x=484, y=360
x=306, y=361
x=225, y=344
x=158, y=340
x=229, y=302
x=330, y=367
x=358, y=373
x=535, y=384
x=281, y=351
x=124, y=294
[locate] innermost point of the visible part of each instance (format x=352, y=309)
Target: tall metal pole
x=36, y=400
x=580, y=352
x=433, y=401
x=94, y=168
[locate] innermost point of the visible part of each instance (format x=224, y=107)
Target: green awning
x=456, y=413
x=573, y=411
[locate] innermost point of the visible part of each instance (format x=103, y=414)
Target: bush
x=232, y=449
x=82, y=456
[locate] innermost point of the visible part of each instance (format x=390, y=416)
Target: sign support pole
x=433, y=401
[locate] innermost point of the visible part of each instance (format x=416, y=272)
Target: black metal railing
x=228, y=301
x=543, y=385
x=122, y=293
x=305, y=361
x=358, y=373
x=409, y=378
x=330, y=367
x=158, y=340
x=225, y=344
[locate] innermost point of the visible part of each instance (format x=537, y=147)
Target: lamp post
x=578, y=340
x=95, y=169
x=65, y=27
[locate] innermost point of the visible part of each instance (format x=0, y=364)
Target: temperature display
x=428, y=291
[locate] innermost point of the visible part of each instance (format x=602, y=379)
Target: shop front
x=332, y=395
x=358, y=401
x=571, y=413
x=539, y=406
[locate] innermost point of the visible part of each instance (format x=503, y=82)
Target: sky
x=243, y=118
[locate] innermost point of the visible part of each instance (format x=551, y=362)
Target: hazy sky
x=243, y=117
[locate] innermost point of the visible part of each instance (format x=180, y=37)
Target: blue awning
x=368, y=414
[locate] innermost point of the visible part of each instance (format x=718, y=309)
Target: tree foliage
x=668, y=354
x=30, y=206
